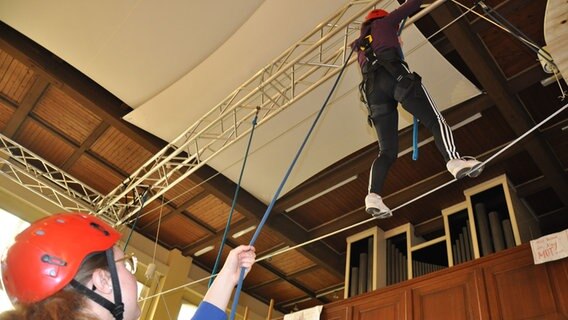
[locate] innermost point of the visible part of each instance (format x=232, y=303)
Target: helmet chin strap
x=116, y=308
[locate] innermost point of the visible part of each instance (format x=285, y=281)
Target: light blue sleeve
x=207, y=311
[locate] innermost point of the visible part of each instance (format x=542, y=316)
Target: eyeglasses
x=130, y=262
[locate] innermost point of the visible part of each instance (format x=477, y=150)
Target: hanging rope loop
x=228, y=225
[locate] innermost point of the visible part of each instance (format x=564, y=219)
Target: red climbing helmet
x=376, y=13
x=46, y=256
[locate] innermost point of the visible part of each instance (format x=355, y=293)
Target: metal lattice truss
x=296, y=72
x=46, y=180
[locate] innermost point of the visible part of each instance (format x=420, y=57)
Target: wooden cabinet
x=505, y=285
x=519, y=289
x=389, y=305
x=339, y=312
x=454, y=296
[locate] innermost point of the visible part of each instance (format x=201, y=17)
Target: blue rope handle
x=415, y=139
x=233, y=205
x=271, y=205
x=415, y=120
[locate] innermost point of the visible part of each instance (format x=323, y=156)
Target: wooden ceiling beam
x=86, y=145
x=478, y=59
x=290, y=280
x=290, y=276
x=26, y=106
x=177, y=210
x=479, y=25
x=223, y=188
x=81, y=150
x=215, y=238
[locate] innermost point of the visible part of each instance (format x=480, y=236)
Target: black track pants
x=379, y=91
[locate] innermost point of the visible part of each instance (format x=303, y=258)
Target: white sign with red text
x=550, y=247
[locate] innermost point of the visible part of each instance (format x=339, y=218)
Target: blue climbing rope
x=415, y=120
x=271, y=205
x=227, y=227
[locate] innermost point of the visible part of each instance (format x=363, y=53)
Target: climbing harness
x=227, y=227
x=392, y=61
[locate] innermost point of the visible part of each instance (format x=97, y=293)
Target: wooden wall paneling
x=319, y=280
x=6, y=112
x=519, y=289
x=213, y=212
x=66, y=115
x=455, y=295
x=180, y=230
x=291, y=262
x=15, y=78
x=388, y=305
x=559, y=272
x=35, y=136
x=340, y=312
x=119, y=149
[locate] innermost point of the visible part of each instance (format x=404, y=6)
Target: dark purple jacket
x=385, y=30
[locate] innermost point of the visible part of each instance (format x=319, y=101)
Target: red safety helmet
x=377, y=13
x=47, y=255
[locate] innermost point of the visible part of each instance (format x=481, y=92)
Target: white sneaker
x=375, y=206
x=466, y=166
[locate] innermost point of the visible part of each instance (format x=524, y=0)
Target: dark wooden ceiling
x=58, y=113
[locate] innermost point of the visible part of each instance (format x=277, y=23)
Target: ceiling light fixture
x=243, y=232
x=321, y=193
x=204, y=250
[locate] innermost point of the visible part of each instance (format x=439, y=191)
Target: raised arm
x=217, y=297
x=406, y=9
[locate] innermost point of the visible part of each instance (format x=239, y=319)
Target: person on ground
x=68, y=266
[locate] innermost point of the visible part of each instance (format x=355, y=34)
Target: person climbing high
x=387, y=80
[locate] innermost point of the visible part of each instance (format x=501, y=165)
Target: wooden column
x=167, y=306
